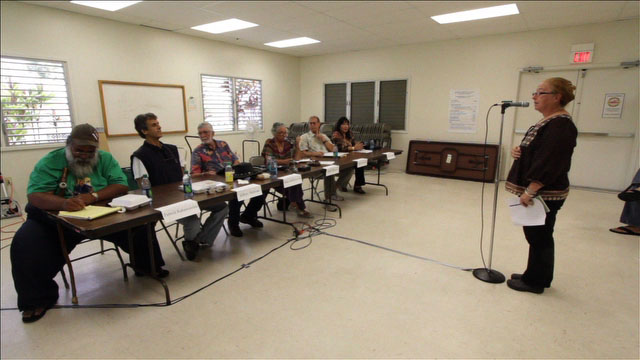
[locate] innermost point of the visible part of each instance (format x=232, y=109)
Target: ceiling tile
x=183, y=14
x=631, y=10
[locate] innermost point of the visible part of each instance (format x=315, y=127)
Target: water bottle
x=294, y=166
x=372, y=144
x=228, y=174
x=335, y=151
x=145, y=184
x=186, y=185
x=273, y=168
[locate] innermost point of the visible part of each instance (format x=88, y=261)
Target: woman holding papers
x=343, y=139
x=540, y=170
x=283, y=151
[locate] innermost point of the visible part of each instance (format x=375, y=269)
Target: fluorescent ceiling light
x=292, y=42
x=484, y=13
x=106, y=5
x=224, y=26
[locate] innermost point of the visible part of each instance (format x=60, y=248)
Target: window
x=363, y=97
x=232, y=104
x=335, y=102
x=35, y=101
x=367, y=102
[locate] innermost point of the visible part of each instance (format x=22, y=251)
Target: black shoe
x=162, y=273
x=190, y=249
x=516, y=276
x=520, y=285
x=29, y=316
x=358, y=190
x=280, y=204
x=234, y=230
x=254, y=222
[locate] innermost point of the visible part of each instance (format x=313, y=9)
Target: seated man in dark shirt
x=211, y=156
x=162, y=164
x=67, y=179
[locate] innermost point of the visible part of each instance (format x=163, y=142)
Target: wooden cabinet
x=453, y=160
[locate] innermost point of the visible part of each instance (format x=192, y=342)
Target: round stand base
x=487, y=275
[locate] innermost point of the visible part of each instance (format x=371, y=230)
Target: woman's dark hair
x=140, y=122
x=341, y=121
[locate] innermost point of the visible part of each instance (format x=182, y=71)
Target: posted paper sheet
x=179, y=210
x=463, y=110
x=248, y=191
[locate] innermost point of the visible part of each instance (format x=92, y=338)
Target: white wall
x=489, y=64
x=100, y=49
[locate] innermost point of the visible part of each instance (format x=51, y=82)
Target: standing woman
x=343, y=138
x=541, y=168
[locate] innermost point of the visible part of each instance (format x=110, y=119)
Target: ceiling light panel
x=224, y=26
x=106, y=5
x=292, y=42
x=477, y=14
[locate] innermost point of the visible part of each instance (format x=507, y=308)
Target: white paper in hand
x=531, y=215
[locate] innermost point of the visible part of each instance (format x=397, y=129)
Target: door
x=606, y=155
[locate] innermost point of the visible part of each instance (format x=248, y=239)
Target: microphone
x=509, y=103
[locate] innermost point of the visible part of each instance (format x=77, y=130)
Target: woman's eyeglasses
x=538, y=93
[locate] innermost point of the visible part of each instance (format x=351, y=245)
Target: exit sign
x=581, y=53
x=582, y=57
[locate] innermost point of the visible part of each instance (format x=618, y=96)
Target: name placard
x=361, y=162
x=291, y=180
x=179, y=210
x=331, y=170
x=248, y=191
x=390, y=155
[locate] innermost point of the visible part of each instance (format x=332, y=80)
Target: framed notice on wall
x=122, y=101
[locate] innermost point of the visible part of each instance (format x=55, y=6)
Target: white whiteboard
x=123, y=101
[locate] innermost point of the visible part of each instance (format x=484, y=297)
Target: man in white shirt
x=315, y=143
x=163, y=165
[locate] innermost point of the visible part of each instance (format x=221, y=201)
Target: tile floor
x=342, y=299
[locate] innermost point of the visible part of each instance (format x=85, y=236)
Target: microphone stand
x=487, y=274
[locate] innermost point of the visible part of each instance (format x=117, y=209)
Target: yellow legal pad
x=90, y=212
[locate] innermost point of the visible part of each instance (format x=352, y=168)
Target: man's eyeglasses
x=538, y=93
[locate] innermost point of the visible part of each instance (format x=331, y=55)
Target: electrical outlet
x=8, y=180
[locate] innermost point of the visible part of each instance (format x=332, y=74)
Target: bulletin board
x=122, y=101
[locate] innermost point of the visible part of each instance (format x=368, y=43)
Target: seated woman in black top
x=343, y=139
x=283, y=151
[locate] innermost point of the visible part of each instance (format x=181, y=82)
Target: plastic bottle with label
x=228, y=174
x=187, y=186
x=273, y=167
x=145, y=184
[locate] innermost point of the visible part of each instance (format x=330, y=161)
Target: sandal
x=630, y=194
x=624, y=230
x=29, y=316
x=304, y=214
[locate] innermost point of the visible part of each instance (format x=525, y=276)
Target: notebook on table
x=90, y=212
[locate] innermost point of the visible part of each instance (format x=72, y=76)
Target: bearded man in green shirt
x=67, y=179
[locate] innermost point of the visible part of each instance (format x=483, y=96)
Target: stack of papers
x=89, y=212
x=130, y=201
x=340, y=154
x=203, y=186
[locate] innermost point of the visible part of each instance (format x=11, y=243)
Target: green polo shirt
x=47, y=174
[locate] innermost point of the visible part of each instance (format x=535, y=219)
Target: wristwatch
x=95, y=195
